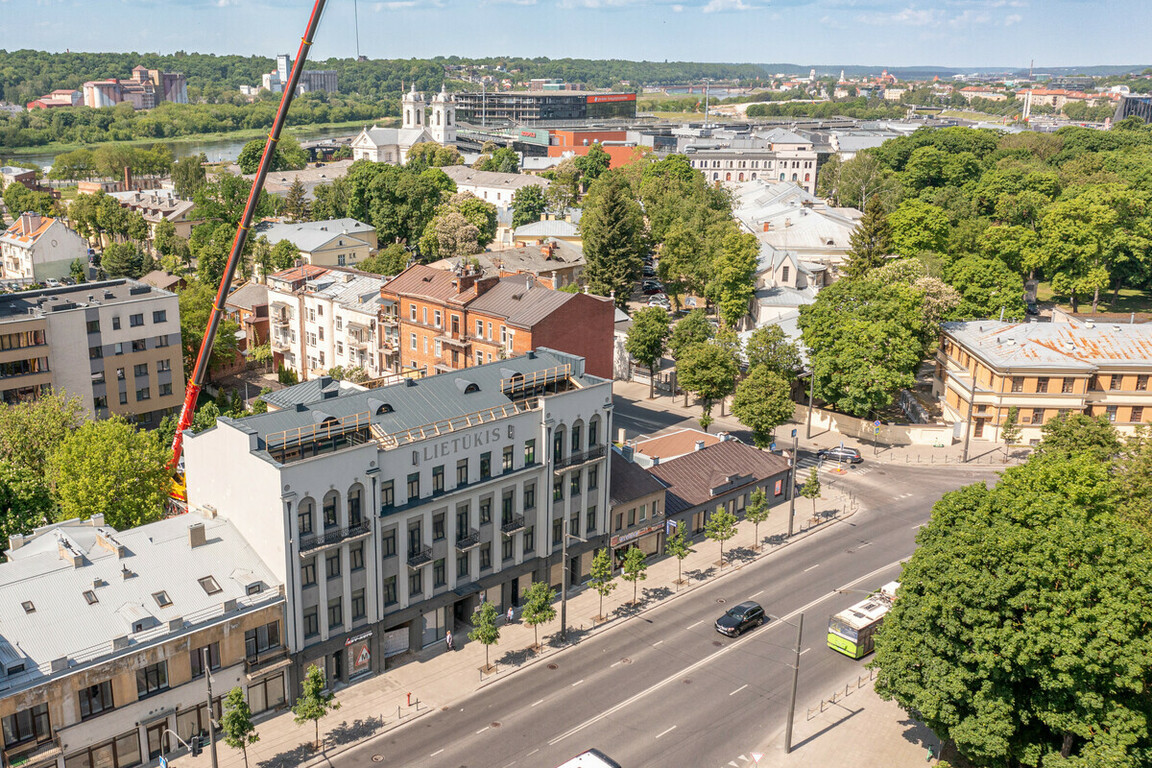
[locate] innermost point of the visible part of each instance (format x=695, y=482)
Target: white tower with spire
x=413, y=108
x=442, y=124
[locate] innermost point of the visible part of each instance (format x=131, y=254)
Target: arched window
x=727, y=177
x=437, y=118
x=753, y=177
x=558, y=444
x=305, y=513
x=740, y=177
x=408, y=116
x=807, y=177
x=577, y=437
x=593, y=431
x=781, y=177
x=355, y=505
x=794, y=177
x=331, y=510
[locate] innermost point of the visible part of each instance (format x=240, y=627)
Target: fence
x=938, y=435
x=838, y=695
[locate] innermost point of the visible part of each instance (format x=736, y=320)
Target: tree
x=917, y=226
x=284, y=255
x=1010, y=430
x=678, y=547
x=692, y=329
x=612, y=229
x=314, y=702
x=112, y=468
x=502, y=160
x=811, y=488
x=758, y=511
x=484, y=629
x=195, y=305
x=78, y=270
x=720, y=527
x=767, y=346
x=288, y=155
x=122, y=260
x=236, y=723
x=733, y=281
x=296, y=201
x=223, y=199
x=564, y=191
x=390, y=260
x=865, y=177
x=528, y=205
x=593, y=165
x=429, y=154
x=25, y=502
x=986, y=286
x=1073, y=433
x=600, y=577
x=710, y=372
x=188, y=175
x=646, y=340
x=538, y=608
x=763, y=402
x=871, y=241
x=32, y=430
x=635, y=568
x=449, y=235
x=997, y=632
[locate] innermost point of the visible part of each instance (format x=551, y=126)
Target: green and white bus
x=851, y=632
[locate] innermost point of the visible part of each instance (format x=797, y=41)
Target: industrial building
x=529, y=106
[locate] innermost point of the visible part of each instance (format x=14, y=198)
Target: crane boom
x=200, y=371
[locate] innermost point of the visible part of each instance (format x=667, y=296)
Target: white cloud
x=720, y=6
x=1013, y=18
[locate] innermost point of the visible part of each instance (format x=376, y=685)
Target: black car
x=739, y=618
x=840, y=454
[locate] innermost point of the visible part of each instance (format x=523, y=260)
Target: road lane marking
x=435, y=753
x=811, y=567
x=615, y=665
x=805, y=651
x=577, y=683
x=482, y=730
x=757, y=594
x=657, y=643
x=711, y=657
x=532, y=752
x=665, y=733
x=538, y=702
x=738, y=689
x=696, y=624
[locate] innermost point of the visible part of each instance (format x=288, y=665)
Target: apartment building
x=38, y=248
x=103, y=636
x=391, y=513
x=114, y=344
x=778, y=155
x=330, y=243
x=428, y=317
x=1044, y=370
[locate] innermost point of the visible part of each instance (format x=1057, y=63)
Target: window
x=412, y=340
x=261, y=639
x=390, y=590
x=165, y=389
x=359, y=605
x=416, y=582
x=162, y=599
x=414, y=485
x=196, y=657
x=387, y=494
x=461, y=566
x=619, y=521
x=577, y=434
x=644, y=508
x=152, y=678
x=335, y=613
x=529, y=540
x=438, y=527
x=160, y=316
x=135, y=321
x=462, y=472
x=593, y=478
x=1042, y=385
x=1017, y=383
x=308, y=572
x=412, y=312
x=439, y=573
x=116, y=323
x=139, y=345
x=574, y=483
x=557, y=489
x=425, y=315
x=1094, y=384
x=438, y=479
x=388, y=543
x=485, y=511
x=529, y=452
x=557, y=532
x=161, y=341
x=436, y=318
x=489, y=331
x=632, y=516
x=1037, y=415
x=506, y=459
x=479, y=331
x=332, y=564
x=123, y=398
x=356, y=557
x=485, y=465
x=93, y=326
x=784, y=273
x=311, y=621
x=27, y=725
x=96, y=699
x=1141, y=383
x=1111, y=411
x=593, y=433
x=95, y=353
x=1137, y=414
x=1067, y=386
x=485, y=556
x=558, y=446
x=415, y=538
x=143, y=393
x=530, y=496
x=304, y=519
x=140, y=369
x=590, y=521
x=507, y=548
x=210, y=586
x=1115, y=382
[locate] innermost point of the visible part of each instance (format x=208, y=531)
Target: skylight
x=210, y=585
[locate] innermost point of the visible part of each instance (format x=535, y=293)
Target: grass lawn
x=1128, y=301
x=967, y=114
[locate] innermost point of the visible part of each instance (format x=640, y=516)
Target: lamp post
x=795, y=681
x=211, y=723
x=186, y=745
x=564, y=574
x=792, y=482
x=811, y=394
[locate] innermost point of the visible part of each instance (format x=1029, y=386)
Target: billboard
x=602, y=98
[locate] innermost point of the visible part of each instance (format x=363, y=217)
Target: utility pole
x=968, y=418
x=792, y=487
x=795, y=682
x=211, y=714
x=811, y=393
x=564, y=575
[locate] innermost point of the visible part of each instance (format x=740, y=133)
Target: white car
x=660, y=301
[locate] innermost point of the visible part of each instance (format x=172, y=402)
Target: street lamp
x=811, y=392
x=207, y=662
x=795, y=680
x=792, y=480
x=564, y=575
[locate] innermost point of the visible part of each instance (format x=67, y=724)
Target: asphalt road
x=664, y=688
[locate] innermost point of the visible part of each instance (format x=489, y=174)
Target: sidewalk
x=436, y=678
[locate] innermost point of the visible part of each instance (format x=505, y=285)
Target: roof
x=310, y=235
x=700, y=476
x=424, y=281
x=302, y=272
x=309, y=392
x=158, y=278
x=630, y=481
x=678, y=443
x=355, y=292
x=155, y=205
x=17, y=234
x=248, y=296
x=25, y=304
x=1055, y=346
x=531, y=258
x=463, y=175
x=386, y=137
x=521, y=300
x=122, y=571
x=550, y=228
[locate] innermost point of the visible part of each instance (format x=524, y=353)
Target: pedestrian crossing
x=807, y=461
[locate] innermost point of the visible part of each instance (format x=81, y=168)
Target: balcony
x=332, y=536
x=578, y=459
x=419, y=557
x=454, y=340
x=356, y=342
x=268, y=661
x=391, y=320
x=279, y=314
x=279, y=342
x=468, y=540
x=33, y=754
x=512, y=525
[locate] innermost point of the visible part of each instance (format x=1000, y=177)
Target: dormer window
x=162, y=599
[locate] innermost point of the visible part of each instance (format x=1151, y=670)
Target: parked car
x=649, y=271
x=841, y=454
x=651, y=289
x=1031, y=308
x=740, y=618
x=660, y=300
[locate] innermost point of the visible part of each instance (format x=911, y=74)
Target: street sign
x=793, y=433
x=876, y=423
x=163, y=762
x=772, y=447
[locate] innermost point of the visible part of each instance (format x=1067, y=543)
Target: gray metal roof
x=123, y=571
x=462, y=174
x=551, y=228
x=311, y=391
x=310, y=235
x=248, y=296
x=25, y=304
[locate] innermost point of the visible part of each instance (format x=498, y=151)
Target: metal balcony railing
x=33, y=754
x=468, y=540
x=420, y=557
x=576, y=459
x=261, y=661
x=333, y=536
x=512, y=525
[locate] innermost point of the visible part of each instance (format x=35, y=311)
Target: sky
x=948, y=33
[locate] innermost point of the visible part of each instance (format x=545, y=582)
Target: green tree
x=763, y=402
x=865, y=177
x=1010, y=429
x=1074, y=433
x=646, y=340
x=997, y=632
x=600, y=577
x=25, y=502
x=288, y=156
x=678, y=547
x=390, y=260
x=767, y=346
x=691, y=330
x=502, y=160
x=284, y=254
x=634, y=569
x=296, y=206
x=811, y=488
x=871, y=241
x=684, y=265
x=612, y=229
x=484, y=629
x=720, y=527
x=710, y=372
x=111, y=468
x=429, y=154
x=918, y=226
x=122, y=260
x=528, y=205
x=986, y=286
x=538, y=608
x=733, y=281
x=236, y=723
x=594, y=164
x=449, y=235
x=758, y=511
x=314, y=701
x=195, y=305
x=188, y=175
x=32, y=430
x=222, y=200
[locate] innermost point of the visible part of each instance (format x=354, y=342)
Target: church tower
x=442, y=125
x=412, y=105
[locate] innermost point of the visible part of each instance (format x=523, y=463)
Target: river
x=216, y=150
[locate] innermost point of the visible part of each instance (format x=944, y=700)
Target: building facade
x=38, y=248
x=391, y=513
x=114, y=344
x=523, y=106
x=422, y=121
x=103, y=637
x=328, y=243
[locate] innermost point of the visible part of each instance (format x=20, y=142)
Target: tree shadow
x=575, y=635
x=649, y=594
x=357, y=730
x=699, y=574
x=777, y=539
x=295, y=756
x=738, y=555
x=515, y=658
x=915, y=732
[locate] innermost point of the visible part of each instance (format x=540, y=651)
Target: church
x=422, y=121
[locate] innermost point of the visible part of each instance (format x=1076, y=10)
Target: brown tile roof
x=691, y=479
x=423, y=281
x=302, y=272
x=16, y=231
x=520, y=300
x=674, y=444
x=630, y=481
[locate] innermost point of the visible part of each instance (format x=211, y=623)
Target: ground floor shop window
x=121, y=752
x=194, y=722
x=266, y=694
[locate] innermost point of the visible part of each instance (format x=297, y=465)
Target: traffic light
x=194, y=743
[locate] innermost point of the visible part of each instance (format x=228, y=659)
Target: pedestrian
x=448, y=640
x=511, y=614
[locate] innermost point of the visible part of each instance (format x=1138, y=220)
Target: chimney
x=767, y=226
x=30, y=222
x=107, y=541
x=127, y=178
x=699, y=445
x=196, y=535
x=484, y=283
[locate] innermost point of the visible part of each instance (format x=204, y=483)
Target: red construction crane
x=200, y=371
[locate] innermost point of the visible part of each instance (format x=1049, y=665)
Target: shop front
x=649, y=540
